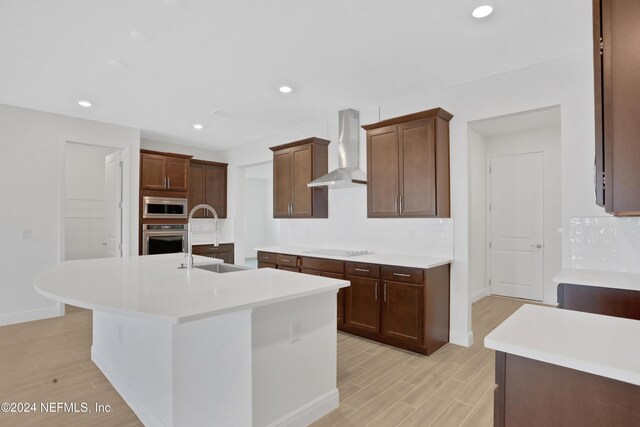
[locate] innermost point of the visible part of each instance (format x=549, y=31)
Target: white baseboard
x=27, y=316
x=122, y=386
x=464, y=339
x=478, y=295
x=310, y=412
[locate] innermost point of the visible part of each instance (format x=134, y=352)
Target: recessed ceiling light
x=85, y=104
x=285, y=89
x=139, y=35
x=197, y=126
x=482, y=11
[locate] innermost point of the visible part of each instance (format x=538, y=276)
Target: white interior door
x=113, y=205
x=516, y=225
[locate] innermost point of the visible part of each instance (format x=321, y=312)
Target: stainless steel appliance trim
x=154, y=232
x=147, y=200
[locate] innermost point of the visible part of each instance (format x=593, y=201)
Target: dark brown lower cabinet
x=224, y=251
x=399, y=306
x=265, y=265
x=593, y=299
x=362, y=306
x=534, y=393
x=402, y=316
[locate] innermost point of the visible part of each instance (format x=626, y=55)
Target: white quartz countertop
x=604, y=279
x=601, y=345
x=153, y=287
x=373, y=258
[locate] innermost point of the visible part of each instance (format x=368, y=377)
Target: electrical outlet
x=294, y=331
x=25, y=233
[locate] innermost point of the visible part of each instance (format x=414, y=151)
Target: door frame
x=125, y=156
x=489, y=216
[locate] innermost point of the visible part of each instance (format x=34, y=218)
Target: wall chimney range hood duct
x=348, y=173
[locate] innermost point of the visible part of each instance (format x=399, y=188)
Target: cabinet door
x=301, y=164
x=282, y=183
x=216, y=189
x=362, y=308
x=177, y=172
x=417, y=168
x=621, y=94
x=403, y=312
x=266, y=265
x=226, y=257
x=382, y=171
x=153, y=172
x=196, y=188
x=341, y=296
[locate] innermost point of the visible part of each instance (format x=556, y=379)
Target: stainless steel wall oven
x=163, y=238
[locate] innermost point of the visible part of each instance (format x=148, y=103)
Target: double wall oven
x=170, y=235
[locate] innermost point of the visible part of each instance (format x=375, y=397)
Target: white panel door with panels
x=516, y=221
x=113, y=205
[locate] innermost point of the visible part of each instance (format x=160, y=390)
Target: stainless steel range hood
x=348, y=173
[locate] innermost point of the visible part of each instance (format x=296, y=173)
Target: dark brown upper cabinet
x=617, y=105
x=208, y=184
x=164, y=171
x=408, y=166
x=294, y=166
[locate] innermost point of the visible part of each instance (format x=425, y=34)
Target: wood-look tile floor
x=50, y=361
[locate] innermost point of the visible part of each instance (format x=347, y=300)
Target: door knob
x=539, y=246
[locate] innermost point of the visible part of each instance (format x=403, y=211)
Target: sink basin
x=222, y=268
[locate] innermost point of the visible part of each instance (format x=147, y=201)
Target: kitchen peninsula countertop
x=154, y=287
x=372, y=258
x=566, y=338
x=599, y=278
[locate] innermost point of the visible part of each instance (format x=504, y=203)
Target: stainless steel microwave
x=164, y=207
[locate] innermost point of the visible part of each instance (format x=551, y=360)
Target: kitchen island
x=197, y=348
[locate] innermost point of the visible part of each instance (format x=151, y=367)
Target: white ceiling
x=203, y=56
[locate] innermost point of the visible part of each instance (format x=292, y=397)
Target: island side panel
x=294, y=360
x=135, y=356
x=212, y=371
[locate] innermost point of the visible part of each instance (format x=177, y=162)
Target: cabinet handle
x=400, y=204
x=401, y=275
x=385, y=292
x=286, y=260
x=364, y=270
x=169, y=184
x=395, y=204
x=264, y=257
x=291, y=207
x=376, y=292
x=164, y=182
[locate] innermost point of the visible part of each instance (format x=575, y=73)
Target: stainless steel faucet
x=190, y=242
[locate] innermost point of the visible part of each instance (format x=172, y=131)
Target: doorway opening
x=515, y=205
x=260, y=229
x=93, y=202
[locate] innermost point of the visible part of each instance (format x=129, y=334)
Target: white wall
x=32, y=168
x=256, y=211
x=478, y=285
x=567, y=82
x=84, y=210
x=546, y=141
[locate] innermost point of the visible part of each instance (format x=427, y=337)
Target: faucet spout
x=190, y=242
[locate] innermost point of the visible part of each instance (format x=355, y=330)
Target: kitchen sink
x=222, y=268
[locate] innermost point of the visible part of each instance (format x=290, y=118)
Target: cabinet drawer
x=287, y=260
x=403, y=274
x=321, y=264
x=267, y=257
x=285, y=268
x=210, y=249
x=361, y=269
